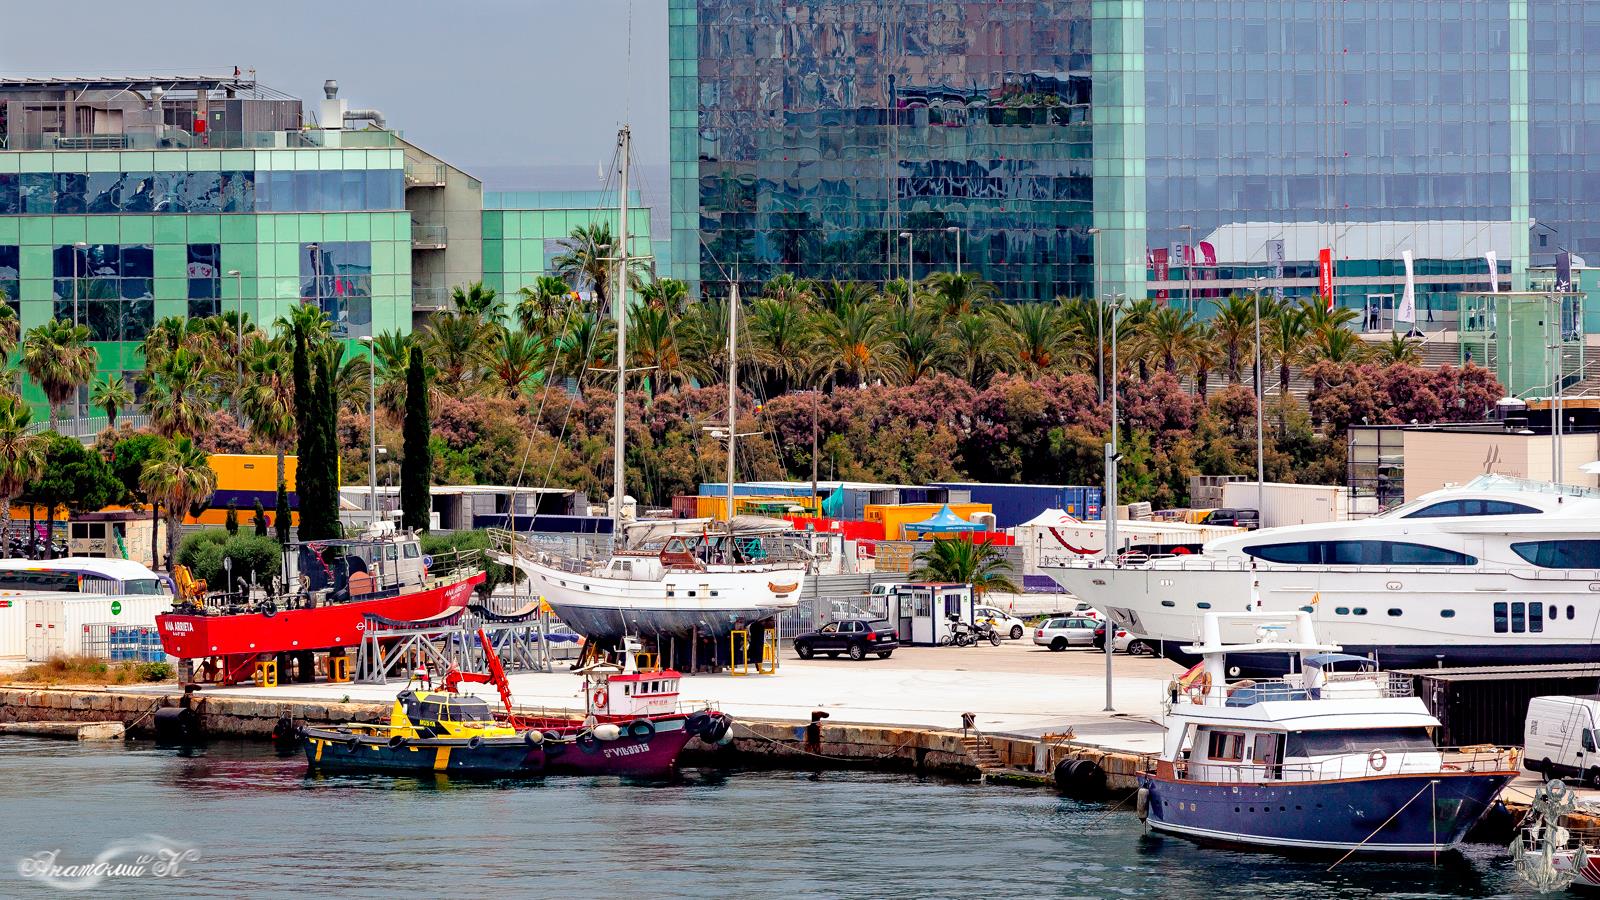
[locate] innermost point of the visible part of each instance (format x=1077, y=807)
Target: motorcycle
x=964, y=635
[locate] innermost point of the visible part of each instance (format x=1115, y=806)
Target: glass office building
x=1211, y=142
x=808, y=137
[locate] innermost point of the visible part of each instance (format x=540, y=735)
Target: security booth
x=922, y=611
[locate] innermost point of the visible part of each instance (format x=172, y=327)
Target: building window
x=1447, y=614
x=107, y=287
x=1472, y=508
x=337, y=276
x=205, y=280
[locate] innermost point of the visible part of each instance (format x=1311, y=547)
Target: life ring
x=1200, y=688
x=599, y=698
x=1377, y=759
x=641, y=728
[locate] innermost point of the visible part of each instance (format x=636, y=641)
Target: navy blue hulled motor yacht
x=1318, y=760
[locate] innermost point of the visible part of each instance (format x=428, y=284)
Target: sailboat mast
x=619, y=303
x=733, y=390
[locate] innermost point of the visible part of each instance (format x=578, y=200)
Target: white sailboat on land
x=681, y=584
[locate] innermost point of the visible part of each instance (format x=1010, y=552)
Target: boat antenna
x=619, y=302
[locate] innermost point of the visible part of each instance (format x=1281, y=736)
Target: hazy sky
x=479, y=82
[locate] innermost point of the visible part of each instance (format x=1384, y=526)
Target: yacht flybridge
x=1499, y=571
x=1319, y=760
x=704, y=583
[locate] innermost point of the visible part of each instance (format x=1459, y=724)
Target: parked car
x=1005, y=623
x=1067, y=631
x=1126, y=642
x=855, y=637
x=1238, y=518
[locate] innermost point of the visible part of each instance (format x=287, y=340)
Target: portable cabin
x=922, y=611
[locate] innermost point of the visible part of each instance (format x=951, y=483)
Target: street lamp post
x=238, y=337
x=911, y=271
x=1109, y=507
x=1099, y=319
x=1190, y=254
x=77, y=248
x=956, y=230
x=372, y=428
x=1261, y=447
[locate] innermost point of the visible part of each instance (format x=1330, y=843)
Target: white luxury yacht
x=1499, y=571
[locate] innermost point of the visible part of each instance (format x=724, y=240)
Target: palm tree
x=179, y=478
x=543, y=304
x=268, y=397
x=666, y=294
x=59, y=357
x=111, y=395
x=1336, y=345
x=175, y=395
x=975, y=344
x=1168, y=335
x=838, y=296
x=956, y=295
x=850, y=345
x=1399, y=350
x=393, y=351
x=787, y=290
x=21, y=454
x=1202, y=357
x=10, y=326
x=588, y=259
x=457, y=344
x=961, y=561
x=1234, y=331
x=514, y=358
x=1318, y=317
x=653, y=344
x=477, y=301
x=1284, y=341
x=779, y=333
x=352, y=379
x=1036, y=337
x=916, y=345
x=587, y=342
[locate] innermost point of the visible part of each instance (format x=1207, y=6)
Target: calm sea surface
x=258, y=826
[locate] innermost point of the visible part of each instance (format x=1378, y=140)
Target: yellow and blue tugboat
x=429, y=731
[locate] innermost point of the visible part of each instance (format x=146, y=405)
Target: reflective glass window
x=37, y=193
x=70, y=190
x=1560, y=554
x=9, y=204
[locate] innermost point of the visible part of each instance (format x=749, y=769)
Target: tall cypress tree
x=259, y=519
x=416, y=464
x=307, y=462
x=316, y=479
x=281, y=514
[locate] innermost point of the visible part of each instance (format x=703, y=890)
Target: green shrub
x=436, y=545
x=260, y=557
x=154, y=671
x=189, y=552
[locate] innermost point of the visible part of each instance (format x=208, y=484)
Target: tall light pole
x=77, y=248
x=1109, y=507
x=911, y=272
x=1099, y=319
x=956, y=230
x=238, y=338
x=1261, y=447
x=372, y=428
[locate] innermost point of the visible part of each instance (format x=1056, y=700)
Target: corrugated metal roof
x=1498, y=673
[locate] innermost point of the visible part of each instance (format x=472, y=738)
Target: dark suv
x=1239, y=518
x=857, y=637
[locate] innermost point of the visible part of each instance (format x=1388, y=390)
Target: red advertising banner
x=1325, y=274
x=1159, y=267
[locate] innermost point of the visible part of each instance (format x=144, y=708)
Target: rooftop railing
x=176, y=139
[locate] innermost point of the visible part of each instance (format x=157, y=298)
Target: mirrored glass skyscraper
x=1208, y=142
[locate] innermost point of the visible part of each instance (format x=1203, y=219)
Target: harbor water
x=242, y=820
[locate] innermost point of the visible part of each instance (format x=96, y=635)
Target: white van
x=1560, y=737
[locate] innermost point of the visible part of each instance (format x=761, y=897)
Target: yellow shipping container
x=716, y=507
x=242, y=479
x=895, y=516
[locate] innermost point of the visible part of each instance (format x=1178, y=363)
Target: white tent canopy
x=1050, y=518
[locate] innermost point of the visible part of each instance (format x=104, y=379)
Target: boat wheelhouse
x=1319, y=760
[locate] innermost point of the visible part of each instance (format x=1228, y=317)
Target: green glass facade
x=137, y=236
x=523, y=231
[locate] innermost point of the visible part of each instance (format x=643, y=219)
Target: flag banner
x=1563, y=272
x=1208, y=252
x=1325, y=274
x=1494, y=271
x=1159, y=267
x=1408, y=301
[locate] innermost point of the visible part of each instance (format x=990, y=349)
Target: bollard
x=339, y=669
x=266, y=673
x=814, y=732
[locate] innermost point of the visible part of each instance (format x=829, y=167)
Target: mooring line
x=1383, y=826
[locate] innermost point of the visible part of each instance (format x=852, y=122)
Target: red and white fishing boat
x=337, y=587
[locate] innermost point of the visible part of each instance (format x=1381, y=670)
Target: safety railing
x=421, y=174
x=1374, y=761
x=430, y=297
x=1248, y=692
x=425, y=237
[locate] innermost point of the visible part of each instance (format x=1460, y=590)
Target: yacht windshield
x=1357, y=740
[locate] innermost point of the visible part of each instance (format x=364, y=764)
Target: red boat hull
x=295, y=630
